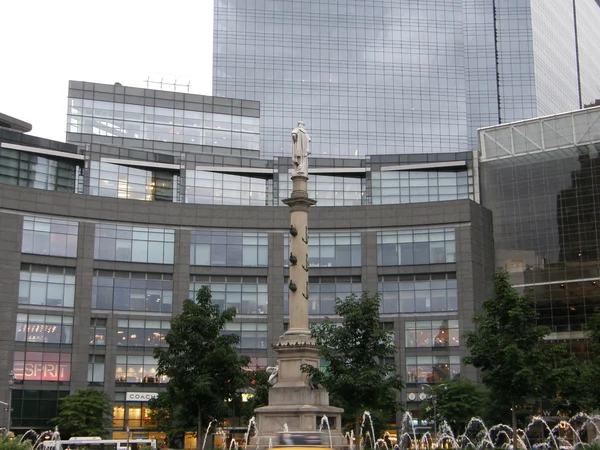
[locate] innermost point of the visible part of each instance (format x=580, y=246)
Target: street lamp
x=434, y=401
x=11, y=382
x=5, y=409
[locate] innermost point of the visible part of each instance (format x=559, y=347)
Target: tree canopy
x=360, y=374
x=202, y=364
x=6, y=443
x=85, y=413
x=507, y=345
x=457, y=402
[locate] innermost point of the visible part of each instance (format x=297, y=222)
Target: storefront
x=131, y=411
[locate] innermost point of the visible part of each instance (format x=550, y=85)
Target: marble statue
x=300, y=150
x=273, y=372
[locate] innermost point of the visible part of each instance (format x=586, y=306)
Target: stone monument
x=293, y=399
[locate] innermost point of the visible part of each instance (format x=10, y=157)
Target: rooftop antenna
x=164, y=85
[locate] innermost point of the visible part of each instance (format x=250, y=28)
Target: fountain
x=566, y=434
x=325, y=421
x=207, y=430
x=251, y=424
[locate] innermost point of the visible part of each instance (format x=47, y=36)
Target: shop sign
x=42, y=371
x=140, y=396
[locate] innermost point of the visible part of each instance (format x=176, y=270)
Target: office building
x=541, y=179
x=103, y=237
x=388, y=77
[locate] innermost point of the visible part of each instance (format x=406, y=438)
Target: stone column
x=298, y=284
x=294, y=402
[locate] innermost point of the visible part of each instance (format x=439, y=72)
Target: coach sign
x=140, y=396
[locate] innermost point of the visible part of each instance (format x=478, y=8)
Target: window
x=215, y=188
x=39, y=172
x=436, y=333
x=47, y=286
x=137, y=369
x=162, y=124
x=418, y=186
x=335, y=249
x=248, y=295
x=134, y=244
x=41, y=366
x=44, y=329
x=49, y=236
x=120, y=181
x=418, y=293
x=328, y=190
x=323, y=293
x=227, y=248
x=252, y=335
x=416, y=247
x=132, y=291
x=96, y=369
x=142, y=333
x=34, y=408
x=131, y=414
x=257, y=364
x=432, y=369
x=98, y=332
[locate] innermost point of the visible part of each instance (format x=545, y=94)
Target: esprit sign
x=140, y=396
x=38, y=371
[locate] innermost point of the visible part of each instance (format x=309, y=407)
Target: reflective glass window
x=132, y=291
x=42, y=366
x=418, y=293
x=396, y=187
x=47, y=286
x=323, y=293
x=229, y=248
x=436, y=333
x=432, y=369
x=137, y=369
x=328, y=190
x=215, y=188
x=330, y=249
x=134, y=244
x=142, y=333
x=39, y=171
x=95, y=374
x=120, y=181
x=98, y=332
x=415, y=247
x=49, y=236
x=44, y=329
x=162, y=124
x=35, y=408
x=248, y=295
x=252, y=335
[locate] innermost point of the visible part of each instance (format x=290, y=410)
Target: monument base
x=295, y=404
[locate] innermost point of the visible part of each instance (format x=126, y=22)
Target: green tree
x=258, y=389
x=359, y=374
x=571, y=383
x=202, y=364
x=456, y=403
x=507, y=346
x=12, y=444
x=85, y=413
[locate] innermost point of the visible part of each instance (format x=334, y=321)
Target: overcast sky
x=46, y=43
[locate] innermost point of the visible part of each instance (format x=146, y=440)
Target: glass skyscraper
x=383, y=76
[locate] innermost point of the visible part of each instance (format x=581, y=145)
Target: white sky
x=46, y=43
